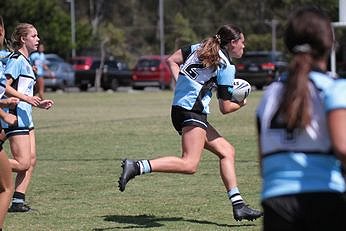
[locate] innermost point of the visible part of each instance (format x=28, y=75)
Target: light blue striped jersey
x=20, y=70
x=301, y=160
x=195, y=82
x=4, y=54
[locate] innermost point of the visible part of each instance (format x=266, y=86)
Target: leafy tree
x=51, y=20
x=182, y=33
x=136, y=22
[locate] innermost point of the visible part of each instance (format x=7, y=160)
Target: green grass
x=80, y=144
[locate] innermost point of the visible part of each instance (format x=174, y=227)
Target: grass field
x=80, y=144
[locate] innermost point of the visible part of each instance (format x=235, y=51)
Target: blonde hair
x=20, y=31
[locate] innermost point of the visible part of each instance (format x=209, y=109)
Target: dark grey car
x=61, y=76
x=260, y=68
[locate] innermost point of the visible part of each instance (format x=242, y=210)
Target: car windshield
x=53, y=66
x=78, y=61
x=148, y=63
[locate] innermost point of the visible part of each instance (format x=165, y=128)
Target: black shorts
x=307, y=211
x=16, y=131
x=182, y=118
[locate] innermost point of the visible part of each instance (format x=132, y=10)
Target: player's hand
x=242, y=103
x=33, y=100
x=10, y=119
x=46, y=104
x=34, y=68
x=10, y=102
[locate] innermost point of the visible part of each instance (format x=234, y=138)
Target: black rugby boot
x=19, y=208
x=130, y=170
x=243, y=211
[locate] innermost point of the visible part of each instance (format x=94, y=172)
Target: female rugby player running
x=198, y=69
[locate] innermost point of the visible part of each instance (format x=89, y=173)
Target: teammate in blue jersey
x=299, y=122
x=39, y=61
x=6, y=182
x=20, y=80
x=198, y=69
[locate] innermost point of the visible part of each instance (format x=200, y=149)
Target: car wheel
x=114, y=84
x=83, y=87
x=63, y=87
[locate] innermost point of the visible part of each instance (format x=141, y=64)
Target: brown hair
x=309, y=37
x=2, y=28
x=208, y=53
x=20, y=31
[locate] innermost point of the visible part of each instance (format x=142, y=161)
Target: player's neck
x=24, y=51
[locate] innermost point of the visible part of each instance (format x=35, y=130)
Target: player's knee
x=190, y=168
x=33, y=162
x=228, y=152
x=23, y=165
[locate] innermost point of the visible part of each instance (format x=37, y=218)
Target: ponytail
x=208, y=53
x=295, y=105
x=309, y=37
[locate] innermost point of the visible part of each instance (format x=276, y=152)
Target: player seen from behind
x=302, y=182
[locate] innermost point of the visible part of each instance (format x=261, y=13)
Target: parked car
x=81, y=63
x=152, y=70
x=260, y=68
x=51, y=57
x=115, y=73
x=60, y=76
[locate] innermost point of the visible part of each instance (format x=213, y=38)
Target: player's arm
x=337, y=127
x=228, y=106
x=10, y=91
x=178, y=58
x=174, y=61
x=224, y=78
x=335, y=103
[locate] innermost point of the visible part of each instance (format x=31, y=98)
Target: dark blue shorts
x=182, y=118
x=306, y=211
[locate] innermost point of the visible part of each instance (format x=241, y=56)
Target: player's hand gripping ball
x=241, y=90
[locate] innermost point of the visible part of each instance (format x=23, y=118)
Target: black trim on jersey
x=15, y=55
x=3, y=85
x=15, y=82
x=225, y=52
x=223, y=93
x=198, y=106
x=186, y=51
x=27, y=76
x=13, y=111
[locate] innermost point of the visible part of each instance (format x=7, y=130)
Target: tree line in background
x=128, y=29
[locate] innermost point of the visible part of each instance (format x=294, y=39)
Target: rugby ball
x=241, y=90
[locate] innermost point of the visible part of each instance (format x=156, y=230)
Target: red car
x=82, y=63
x=152, y=71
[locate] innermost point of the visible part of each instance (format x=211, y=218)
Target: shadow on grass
x=150, y=221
